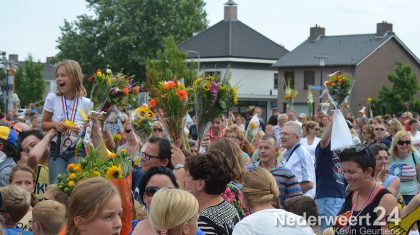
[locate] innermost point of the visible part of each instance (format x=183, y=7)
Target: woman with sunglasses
x=155, y=179
x=368, y=204
x=368, y=135
x=237, y=135
x=157, y=129
x=311, y=140
x=380, y=135
x=390, y=182
x=405, y=163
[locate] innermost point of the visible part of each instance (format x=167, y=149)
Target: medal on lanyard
x=67, y=141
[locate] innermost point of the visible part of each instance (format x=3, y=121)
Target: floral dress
x=233, y=194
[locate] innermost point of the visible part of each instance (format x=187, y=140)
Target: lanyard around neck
x=73, y=110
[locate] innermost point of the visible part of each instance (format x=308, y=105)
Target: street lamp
x=198, y=57
x=321, y=65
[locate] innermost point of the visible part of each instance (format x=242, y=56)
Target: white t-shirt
x=54, y=104
x=302, y=166
x=415, y=140
x=272, y=222
x=311, y=148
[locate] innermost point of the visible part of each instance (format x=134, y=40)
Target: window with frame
x=276, y=80
x=289, y=76
x=308, y=79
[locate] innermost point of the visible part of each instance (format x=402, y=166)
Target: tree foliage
x=29, y=82
x=169, y=64
x=124, y=34
x=404, y=89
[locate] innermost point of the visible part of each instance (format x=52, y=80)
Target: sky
x=33, y=27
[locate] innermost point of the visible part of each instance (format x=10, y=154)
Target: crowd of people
x=286, y=179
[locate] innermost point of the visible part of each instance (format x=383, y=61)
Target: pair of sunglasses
x=158, y=129
x=402, y=142
x=151, y=190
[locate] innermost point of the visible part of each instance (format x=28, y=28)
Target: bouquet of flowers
x=170, y=98
x=141, y=119
x=102, y=163
x=123, y=91
x=289, y=95
x=338, y=89
x=213, y=96
x=101, y=84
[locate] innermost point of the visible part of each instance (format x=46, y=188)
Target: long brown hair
x=74, y=71
x=87, y=200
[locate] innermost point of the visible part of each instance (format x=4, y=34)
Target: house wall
x=371, y=74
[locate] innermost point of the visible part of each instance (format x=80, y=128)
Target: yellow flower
x=114, y=172
x=72, y=176
x=370, y=99
x=71, y=167
x=206, y=87
x=98, y=73
x=96, y=173
x=117, y=137
x=71, y=183
x=112, y=156
x=123, y=151
x=76, y=169
x=108, y=80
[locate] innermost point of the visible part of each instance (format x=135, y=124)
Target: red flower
x=136, y=89
x=90, y=78
x=152, y=103
x=169, y=85
x=125, y=90
x=182, y=95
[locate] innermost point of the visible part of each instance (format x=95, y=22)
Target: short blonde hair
x=74, y=71
x=260, y=187
x=50, y=216
x=87, y=200
x=393, y=150
x=171, y=208
x=15, y=202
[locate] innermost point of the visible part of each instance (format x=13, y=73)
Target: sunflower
x=114, y=172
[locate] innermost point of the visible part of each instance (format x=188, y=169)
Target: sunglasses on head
x=402, y=142
x=158, y=129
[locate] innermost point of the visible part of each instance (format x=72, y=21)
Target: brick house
x=368, y=58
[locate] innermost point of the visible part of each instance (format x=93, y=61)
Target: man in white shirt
x=298, y=159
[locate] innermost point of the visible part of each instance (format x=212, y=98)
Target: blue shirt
x=329, y=173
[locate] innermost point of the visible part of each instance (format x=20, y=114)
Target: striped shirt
x=286, y=181
x=219, y=219
x=406, y=170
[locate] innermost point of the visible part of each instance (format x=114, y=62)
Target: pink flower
x=214, y=88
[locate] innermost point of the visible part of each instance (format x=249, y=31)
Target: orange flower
x=340, y=81
x=125, y=90
x=333, y=84
x=136, y=89
x=169, y=85
x=182, y=95
x=152, y=103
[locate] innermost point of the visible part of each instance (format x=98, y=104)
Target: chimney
x=13, y=57
x=383, y=28
x=316, y=32
x=231, y=10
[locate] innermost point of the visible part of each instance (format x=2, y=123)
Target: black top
x=365, y=221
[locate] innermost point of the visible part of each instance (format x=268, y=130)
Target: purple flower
x=214, y=88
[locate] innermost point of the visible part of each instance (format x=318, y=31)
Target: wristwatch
x=178, y=166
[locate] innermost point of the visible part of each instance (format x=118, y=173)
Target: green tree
x=404, y=89
x=124, y=34
x=170, y=63
x=29, y=83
